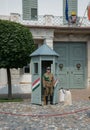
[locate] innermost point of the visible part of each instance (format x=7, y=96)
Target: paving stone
x=25, y=116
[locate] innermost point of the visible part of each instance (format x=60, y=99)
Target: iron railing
x=49, y=20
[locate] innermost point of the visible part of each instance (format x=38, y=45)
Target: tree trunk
x=9, y=84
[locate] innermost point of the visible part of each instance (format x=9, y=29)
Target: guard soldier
x=48, y=84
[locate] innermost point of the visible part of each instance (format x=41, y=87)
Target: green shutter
x=72, y=6
x=27, y=6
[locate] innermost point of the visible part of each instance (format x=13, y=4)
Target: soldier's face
x=48, y=70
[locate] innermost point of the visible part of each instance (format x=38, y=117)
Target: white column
x=49, y=42
x=48, y=19
x=88, y=64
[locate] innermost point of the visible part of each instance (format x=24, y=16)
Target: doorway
x=44, y=65
x=71, y=64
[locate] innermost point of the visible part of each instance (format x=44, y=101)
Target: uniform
x=48, y=83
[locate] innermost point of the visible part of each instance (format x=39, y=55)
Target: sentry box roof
x=44, y=50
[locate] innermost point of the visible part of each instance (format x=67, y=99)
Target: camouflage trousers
x=48, y=91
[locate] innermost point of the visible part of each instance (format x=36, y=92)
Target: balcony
x=59, y=21
x=47, y=20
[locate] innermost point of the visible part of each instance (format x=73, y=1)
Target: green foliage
x=16, y=45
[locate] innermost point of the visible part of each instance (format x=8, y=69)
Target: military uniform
x=48, y=84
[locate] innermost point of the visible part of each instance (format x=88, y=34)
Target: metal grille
x=49, y=20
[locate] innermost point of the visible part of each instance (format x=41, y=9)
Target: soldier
x=48, y=84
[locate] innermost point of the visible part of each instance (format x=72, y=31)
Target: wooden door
x=71, y=64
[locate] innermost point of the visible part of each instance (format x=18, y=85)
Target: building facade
x=72, y=43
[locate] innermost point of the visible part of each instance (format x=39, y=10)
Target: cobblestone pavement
x=25, y=116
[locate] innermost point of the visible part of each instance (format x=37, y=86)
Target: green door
x=71, y=64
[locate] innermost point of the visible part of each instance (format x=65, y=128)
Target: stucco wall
x=20, y=83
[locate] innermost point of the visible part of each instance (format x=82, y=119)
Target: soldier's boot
x=46, y=100
x=51, y=99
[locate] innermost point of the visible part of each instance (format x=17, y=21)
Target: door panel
x=62, y=50
x=72, y=57
x=77, y=59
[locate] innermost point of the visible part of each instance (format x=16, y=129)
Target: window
x=33, y=13
x=35, y=68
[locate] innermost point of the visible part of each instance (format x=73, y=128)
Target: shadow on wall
x=23, y=87
x=17, y=88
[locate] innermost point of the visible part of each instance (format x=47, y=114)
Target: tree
x=16, y=45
